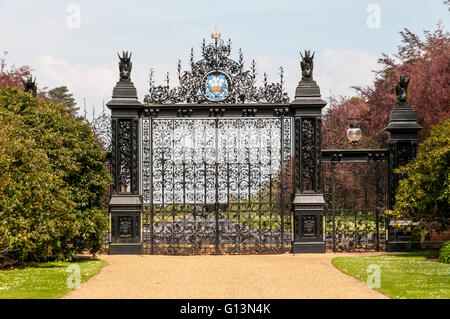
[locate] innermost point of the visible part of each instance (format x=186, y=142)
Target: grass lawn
x=44, y=280
x=405, y=276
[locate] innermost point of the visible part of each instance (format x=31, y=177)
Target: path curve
x=225, y=276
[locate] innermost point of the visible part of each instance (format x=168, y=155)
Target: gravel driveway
x=223, y=276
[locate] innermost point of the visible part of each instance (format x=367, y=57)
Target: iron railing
x=355, y=230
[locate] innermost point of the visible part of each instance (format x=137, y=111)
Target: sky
x=74, y=43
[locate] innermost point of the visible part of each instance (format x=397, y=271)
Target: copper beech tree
x=426, y=62
x=12, y=75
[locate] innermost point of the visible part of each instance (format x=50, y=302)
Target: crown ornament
x=217, y=78
x=215, y=34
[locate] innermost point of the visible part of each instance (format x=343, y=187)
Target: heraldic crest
x=217, y=79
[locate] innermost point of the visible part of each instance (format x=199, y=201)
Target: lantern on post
x=354, y=133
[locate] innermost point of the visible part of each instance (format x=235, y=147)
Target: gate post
x=308, y=202
x=403, y=129
x=125, y=205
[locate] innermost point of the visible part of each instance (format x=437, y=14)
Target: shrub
x=52, y=180
x=424, y=193
x=444, y=253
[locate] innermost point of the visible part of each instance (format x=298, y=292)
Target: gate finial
x=215, y=34
x=125, y=66
x=307, y=65
x=402, y=89
x=29, y=85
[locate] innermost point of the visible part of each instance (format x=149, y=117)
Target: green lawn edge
x=403, y=276
x=47, y=280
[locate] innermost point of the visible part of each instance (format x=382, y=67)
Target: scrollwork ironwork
x=101, y=126
x=125, y=155
x=239, y=84
x=355, y=194
x=308, y=154
x=216, y=185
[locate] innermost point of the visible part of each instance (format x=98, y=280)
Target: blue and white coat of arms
x=216, y=87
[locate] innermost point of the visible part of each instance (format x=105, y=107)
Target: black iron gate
x=355, y=192
x=209, y=166
x=216, y=185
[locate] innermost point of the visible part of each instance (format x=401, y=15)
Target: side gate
x=355, y=191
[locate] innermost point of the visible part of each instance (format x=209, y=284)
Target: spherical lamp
x=354, y=133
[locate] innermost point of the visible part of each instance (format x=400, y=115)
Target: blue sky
x=159, y=33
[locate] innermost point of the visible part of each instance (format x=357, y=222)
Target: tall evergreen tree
x=61, y=94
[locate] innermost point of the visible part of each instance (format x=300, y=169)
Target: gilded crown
x=215, y=34
x=216, y=89
x=216, y=86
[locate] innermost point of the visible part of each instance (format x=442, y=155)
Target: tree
x=30, y=196
x=12, y=75
x=61, y=94
x=337, y=120
x=426, y=62
x=424, y=193
x=52, y=181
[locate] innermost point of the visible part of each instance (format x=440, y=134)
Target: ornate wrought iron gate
x=216, y=185
x=355, y=192
x=211, y=166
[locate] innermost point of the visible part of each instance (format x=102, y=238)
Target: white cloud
x=334, y=70
x=337, y=70
x=95, y=83
x=85, y=81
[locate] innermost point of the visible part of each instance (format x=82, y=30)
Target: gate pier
x=403, y=140
x=125, y=205
x=219, y=165
x=308, y=203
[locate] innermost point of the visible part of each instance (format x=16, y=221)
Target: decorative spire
x=125, y=66
x=401, y=89
x=307, y=65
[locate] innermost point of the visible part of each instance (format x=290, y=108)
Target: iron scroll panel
x=216, y=185
x=355, y=191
